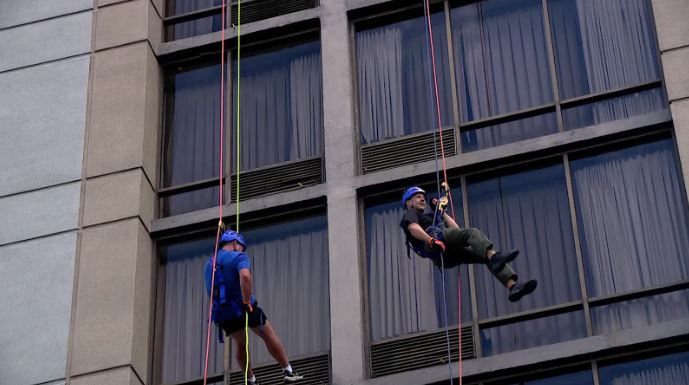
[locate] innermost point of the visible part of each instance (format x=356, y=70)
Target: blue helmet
x=410, y=192
x=231, y=235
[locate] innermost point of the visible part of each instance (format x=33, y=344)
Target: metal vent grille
x=419, y=352
x=389, y=154
x=273, y=179
x=316, y=371
x=264, y=9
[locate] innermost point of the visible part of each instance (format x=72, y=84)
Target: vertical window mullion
x=577, y=246
x=552, y=65
x=472, y=277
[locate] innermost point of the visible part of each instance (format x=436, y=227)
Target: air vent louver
x=274, y=179
x=413, y=149
x=264, y=9
x=316, y=371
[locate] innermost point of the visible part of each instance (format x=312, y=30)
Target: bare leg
x=239, y=337
x=273, y=343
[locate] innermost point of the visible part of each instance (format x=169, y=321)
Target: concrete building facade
x=84, y=110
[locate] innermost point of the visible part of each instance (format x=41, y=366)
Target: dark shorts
x=256, y=318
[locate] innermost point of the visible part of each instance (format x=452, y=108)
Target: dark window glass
x=281, y=96
x=289, y=262
x=396, y=95
x=532, y=333
x=501, y=57
x=640, y=312
x=671, y=369
x=528, y=211
x=632, y=218
x=195, y=27
x=178, y=7
x=602, y=45
x=190, y=201
x=504, y=133
x=623, y=107
x=406, y=291
x=192, y=131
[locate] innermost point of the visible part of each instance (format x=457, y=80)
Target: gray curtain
x=633, y=225
x=192, y=136
x=281, y=106
x=192, y=27
x=670, y=369
x=501, y=67
x=603, y=45
x=528, y=211
x=290, y=271
x=185, y=315
x=396, y=94
x=406, y=294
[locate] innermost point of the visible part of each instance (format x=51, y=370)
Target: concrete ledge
x=570, y=350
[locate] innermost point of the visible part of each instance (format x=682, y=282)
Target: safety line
x=220, y=193
x=238, y=149
x=246, y=346
x=442, y=150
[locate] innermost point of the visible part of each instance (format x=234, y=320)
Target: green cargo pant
x=469, y=245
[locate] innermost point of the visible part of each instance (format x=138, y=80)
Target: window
x=672, y=369
x=394, y=79
x=281, y=98
x=406, y=291
x=289, y=262
x=577, y=378
x=281, y=122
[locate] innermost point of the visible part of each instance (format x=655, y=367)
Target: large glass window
x=281, y=98
x=289, y=261
x=604, y=45
x=406, y=291
x=394, y=78
x=528, y=211
x=632, y=218
x=670, y=369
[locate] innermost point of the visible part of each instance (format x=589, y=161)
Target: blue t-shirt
x=229, y=264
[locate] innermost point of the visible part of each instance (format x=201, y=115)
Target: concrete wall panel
x=15, y=12
x=45, y=41
x=127, y=22
x=671, y=21
x=118, y=196
x=36, y=280
x=42, y=121
x=38, y=213
x=676, y=73
x=119, y=113
x=107, y=332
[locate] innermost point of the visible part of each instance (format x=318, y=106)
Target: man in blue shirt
x=232, y=301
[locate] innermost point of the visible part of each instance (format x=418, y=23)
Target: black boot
x=498, y=261
x=520, y=289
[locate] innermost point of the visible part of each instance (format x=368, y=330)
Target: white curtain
x=395, y=88
x=406, y=295
x=192, y=137
x=664, y=370
x=608, y=44
x=281, y=107
x=501, y=67
x=633, y=226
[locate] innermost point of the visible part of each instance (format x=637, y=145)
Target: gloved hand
x=247, y=307
x=436, y=243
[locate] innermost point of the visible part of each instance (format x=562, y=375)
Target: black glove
x=436, y=243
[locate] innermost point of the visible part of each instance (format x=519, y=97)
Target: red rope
x=220, y=203
x=442, y=153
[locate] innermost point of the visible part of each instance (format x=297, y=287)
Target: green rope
x=239, y=47
x=246, y=338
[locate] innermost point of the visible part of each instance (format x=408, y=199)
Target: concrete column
x=673, y=37
x=114, y=297
x=346, y=321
